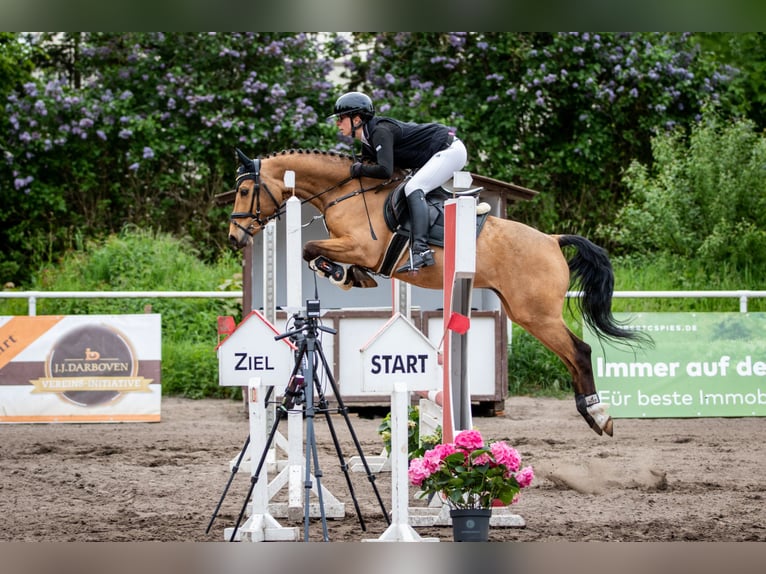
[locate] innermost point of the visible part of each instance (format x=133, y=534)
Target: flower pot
x=470, y=524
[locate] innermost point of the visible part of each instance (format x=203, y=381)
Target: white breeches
x=439, y=168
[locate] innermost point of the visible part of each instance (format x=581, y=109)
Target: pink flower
x=506, y=454
x=437, y=454
x=524, y=476
x=469, y=440
x=417, y=471
x=483, y=458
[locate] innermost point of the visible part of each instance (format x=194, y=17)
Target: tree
x=16, y=65
x=141, y=128
x=745, y=52
x=563, y=113
x=703, y=197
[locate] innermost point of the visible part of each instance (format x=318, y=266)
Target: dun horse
x=523, y=266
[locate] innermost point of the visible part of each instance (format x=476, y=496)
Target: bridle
x=254, y=174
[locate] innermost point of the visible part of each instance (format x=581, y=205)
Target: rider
x=432, y=148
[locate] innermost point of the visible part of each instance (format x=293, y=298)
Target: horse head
x=261, y=192
x=254, y=202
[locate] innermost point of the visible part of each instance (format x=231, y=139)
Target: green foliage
x=415, y=447
x=140, y=128
x=563, y=113
x=747, y=53
x=138, y=260
x=191, y=370
x=702, y=199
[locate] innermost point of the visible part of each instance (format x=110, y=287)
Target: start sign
x=399, y=353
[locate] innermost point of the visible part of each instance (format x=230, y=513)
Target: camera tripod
x=304, y=381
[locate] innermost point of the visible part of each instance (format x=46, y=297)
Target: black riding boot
x=420, y=253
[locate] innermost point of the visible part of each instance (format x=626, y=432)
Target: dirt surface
x=655, y=480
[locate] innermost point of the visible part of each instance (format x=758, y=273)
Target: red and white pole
x=459, y=270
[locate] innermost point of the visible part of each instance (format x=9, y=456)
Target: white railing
x=33, y=296
x=742, y=295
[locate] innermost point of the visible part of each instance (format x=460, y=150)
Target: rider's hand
x=356, y=169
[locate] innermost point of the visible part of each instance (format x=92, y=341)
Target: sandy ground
x=655, y=480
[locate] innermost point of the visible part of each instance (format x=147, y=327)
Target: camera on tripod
x=313, y=309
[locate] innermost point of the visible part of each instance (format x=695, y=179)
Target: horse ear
x=243, y=159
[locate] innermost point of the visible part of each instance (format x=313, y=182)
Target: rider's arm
x=383, y=145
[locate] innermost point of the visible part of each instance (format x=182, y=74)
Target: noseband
x=253, y=172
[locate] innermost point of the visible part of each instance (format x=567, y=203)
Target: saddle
x=397, y=219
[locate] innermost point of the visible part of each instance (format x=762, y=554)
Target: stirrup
x=417, y=262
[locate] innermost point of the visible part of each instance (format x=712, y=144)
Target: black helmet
x=352, y=104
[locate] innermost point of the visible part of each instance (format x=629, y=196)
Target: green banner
x=701, y=365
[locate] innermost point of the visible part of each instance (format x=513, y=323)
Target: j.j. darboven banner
x=701, y=365
x=80, y=368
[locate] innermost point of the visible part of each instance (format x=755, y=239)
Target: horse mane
x=326, y=153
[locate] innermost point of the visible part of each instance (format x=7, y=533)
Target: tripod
x=304, y=380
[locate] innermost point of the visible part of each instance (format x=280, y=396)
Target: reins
x=255, y=200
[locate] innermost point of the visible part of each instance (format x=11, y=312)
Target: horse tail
x=591, y=273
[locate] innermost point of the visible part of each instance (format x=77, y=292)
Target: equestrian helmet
x=352, y=104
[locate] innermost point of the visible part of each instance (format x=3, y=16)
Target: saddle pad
x=397, y=218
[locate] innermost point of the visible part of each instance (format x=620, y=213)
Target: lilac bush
x=562, y=113
x=141, y=128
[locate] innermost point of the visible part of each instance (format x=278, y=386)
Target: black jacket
x=401, y=144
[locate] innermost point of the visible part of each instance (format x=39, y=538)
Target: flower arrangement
x=469, y=474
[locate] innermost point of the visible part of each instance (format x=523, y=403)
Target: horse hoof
x=609, y=427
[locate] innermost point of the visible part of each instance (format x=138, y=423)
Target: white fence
x=32, y=296
x=742, y=295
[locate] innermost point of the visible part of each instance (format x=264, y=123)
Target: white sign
x=252, y=351
x=399, y=353
x=80, y=368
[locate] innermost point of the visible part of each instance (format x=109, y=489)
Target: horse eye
x=243, y=191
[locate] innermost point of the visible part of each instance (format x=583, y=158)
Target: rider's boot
x=420, y=253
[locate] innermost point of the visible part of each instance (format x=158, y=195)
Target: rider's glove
x=356, y=169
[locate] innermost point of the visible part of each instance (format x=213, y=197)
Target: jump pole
x=295, y=469
x=293, y=246
x=459, y=270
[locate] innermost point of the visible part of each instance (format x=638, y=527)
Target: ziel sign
x=701, y=365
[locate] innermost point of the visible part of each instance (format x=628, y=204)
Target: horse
x=525, y=267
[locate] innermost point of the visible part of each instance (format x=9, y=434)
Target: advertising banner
x=701, y=365
x=80, y=368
